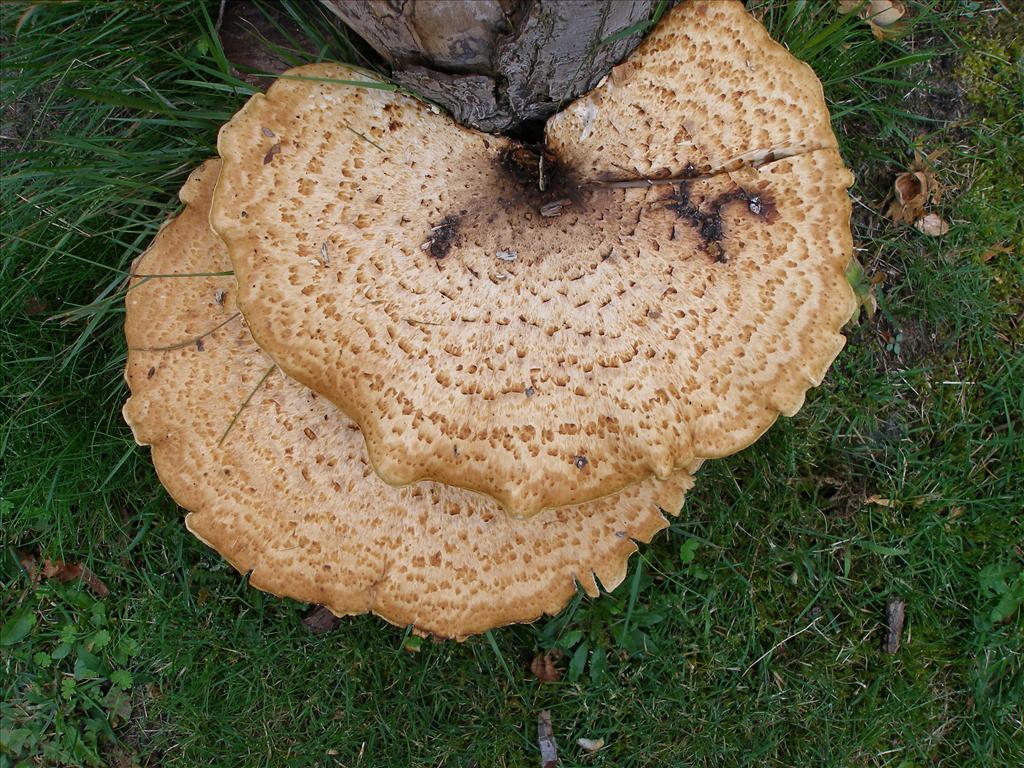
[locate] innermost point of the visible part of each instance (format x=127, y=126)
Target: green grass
x=749, y=634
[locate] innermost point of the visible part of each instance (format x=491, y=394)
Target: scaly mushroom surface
x=548, y=325
x=277, y=479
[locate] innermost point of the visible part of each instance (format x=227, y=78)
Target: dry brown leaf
x=28, y=562
x=910, y=193
x=889, y=32
x=932, y=225
x=994, y=251
x=883, y=16
x=65, y=572
x=882, y=502
x=895, y=615
x=884, y=13
x=546, y=741
x=914, y=190
x=320, y=620
x=544, y=666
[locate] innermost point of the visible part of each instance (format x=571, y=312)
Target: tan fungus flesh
x=282, y=487
x=550, y=347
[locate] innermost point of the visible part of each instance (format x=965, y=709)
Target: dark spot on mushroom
x=200, y=346
x=271, y=153
x=708, y=223
x=523, y=163
x=443, y=237
x=580, y=462
x=530, y=392
x=533, y=180
x=151, y=372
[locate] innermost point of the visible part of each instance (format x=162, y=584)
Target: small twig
x=633, y=183
x=366, y=138
x=546, y=740
x=242, y=407
x=143, y=276
x=187, y=342
x=743, y=161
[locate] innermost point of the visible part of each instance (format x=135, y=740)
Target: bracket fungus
x=277, y=479
x=393, y=365
x=550, y=324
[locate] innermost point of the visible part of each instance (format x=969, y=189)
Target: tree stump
x=501, y=66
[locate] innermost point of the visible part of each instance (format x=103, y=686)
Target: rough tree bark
x=498, y=65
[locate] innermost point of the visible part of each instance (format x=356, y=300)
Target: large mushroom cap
x=548, y=347
x=277, y=479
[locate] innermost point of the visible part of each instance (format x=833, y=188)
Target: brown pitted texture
x=550, y=347
x=285, y=489
x=709, y=87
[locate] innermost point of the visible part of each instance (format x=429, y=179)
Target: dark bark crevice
x=501, y=66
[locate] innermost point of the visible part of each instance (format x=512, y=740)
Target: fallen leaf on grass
x=913, y=191
x=880, y=501
x=63, y=572
x=546, y=741
x=932, y=225
x=544, y=666
x=590, y=745
x=895, y=615
x=28, y=562
x=994, y=251
x=883, y=16
x=910, y=196
x=320, y=620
